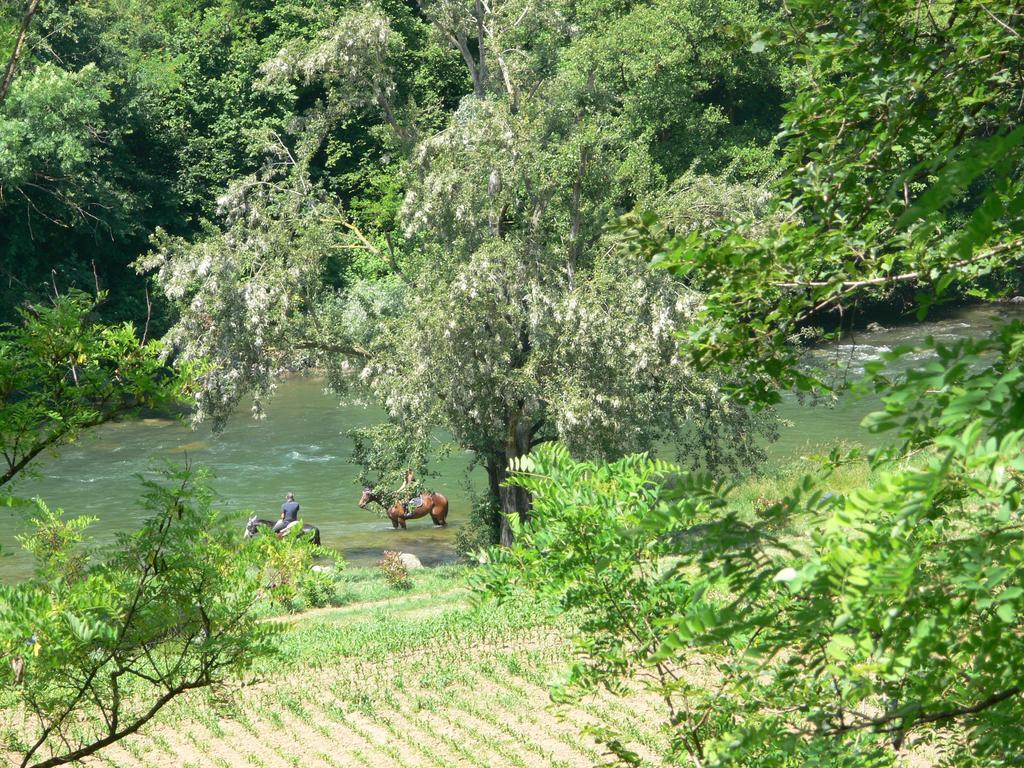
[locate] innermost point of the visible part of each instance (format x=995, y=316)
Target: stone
x=409, y=560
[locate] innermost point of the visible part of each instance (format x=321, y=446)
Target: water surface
x=301, y=446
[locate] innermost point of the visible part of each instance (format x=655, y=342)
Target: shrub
x=94, y=650
x=394, y=570
x=481, y=529
x=320, y=588
x=285, y=563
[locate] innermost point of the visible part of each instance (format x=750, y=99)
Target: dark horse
x=254, y=523
x=433, y=504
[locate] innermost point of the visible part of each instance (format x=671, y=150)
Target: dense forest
x=122, y=119
x=590, y=242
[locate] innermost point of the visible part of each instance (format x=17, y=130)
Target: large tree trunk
x=19, y=42
x=515, y=502
x=496, y=464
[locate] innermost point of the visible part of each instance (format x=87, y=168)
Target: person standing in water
x=289, y=513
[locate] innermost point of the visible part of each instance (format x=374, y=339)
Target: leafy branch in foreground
x=899, y=188
x=97, y=653
x=893, y=626
x=61, y=373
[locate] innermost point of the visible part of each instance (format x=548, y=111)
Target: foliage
x=891, y=624
x=56, y=543
x=590, y=549
x=125, y=116
x=274, y=232
x=480, y=528
x=385, y=452
x=62, y=373
x=287, y=577
x=506, y=321
x=319, y=588
x=897, y=184
x=395, y=572
x=99, y=651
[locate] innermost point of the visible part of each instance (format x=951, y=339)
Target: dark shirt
x=290, y=510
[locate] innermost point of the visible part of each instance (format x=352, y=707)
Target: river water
x=302, y=447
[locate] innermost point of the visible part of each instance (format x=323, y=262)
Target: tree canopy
x=508, y=319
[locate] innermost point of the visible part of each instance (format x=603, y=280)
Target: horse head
x=367, y=497
x=250, y=527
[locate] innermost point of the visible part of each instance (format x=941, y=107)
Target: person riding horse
x=400, y=508
x=409, y=505
x=289, y=513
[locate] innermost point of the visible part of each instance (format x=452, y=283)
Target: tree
x=98, y=651
x=894, y=182
x=128, y=116
x=19, y=43
x=504, y=288
x=893, y=622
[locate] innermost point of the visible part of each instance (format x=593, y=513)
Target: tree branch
x=935, y=717
x=12, y=62
x=848, y=285
x=133, y=727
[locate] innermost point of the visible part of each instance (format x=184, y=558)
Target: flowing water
x=302, y=446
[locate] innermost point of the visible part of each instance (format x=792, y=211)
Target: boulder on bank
x=409, y=560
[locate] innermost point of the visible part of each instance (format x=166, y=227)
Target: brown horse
x=433, y=504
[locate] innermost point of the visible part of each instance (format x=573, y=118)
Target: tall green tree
x=122, y=117
x=507, y=319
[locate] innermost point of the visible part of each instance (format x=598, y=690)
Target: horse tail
x=316, y=535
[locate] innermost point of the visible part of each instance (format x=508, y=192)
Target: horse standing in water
x=253, y=525
x=433, y=504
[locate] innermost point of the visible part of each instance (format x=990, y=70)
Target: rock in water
x=875, y=327
x=410, y=560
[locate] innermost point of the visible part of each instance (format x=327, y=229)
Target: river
x=302, y=447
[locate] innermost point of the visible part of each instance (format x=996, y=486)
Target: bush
x=285, y=561
x=93, y=649
x=481, y=529
x=288, y=578
x=320, y=588
x=394, y=570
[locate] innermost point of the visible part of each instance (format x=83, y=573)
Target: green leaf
x=840, y=647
